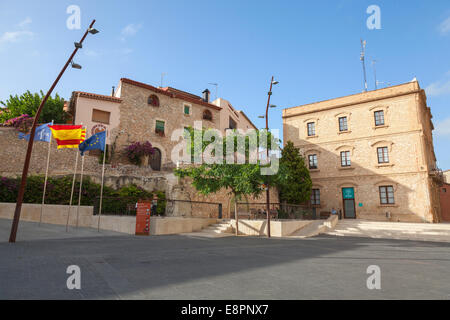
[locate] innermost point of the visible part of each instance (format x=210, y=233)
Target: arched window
x=207, y=115
x=153, y=101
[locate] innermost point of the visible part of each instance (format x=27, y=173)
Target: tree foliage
x=28, y=103
x=296, y=187
x=241, y=179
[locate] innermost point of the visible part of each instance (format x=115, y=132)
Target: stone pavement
x=118, y=266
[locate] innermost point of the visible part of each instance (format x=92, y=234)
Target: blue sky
x=311, y=47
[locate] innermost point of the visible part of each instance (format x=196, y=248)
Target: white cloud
x=25, y=22
x=15, y=36
x=438, y=88
x=442, y=128
x=18, y=35
x=444, y=27
x=130, y=30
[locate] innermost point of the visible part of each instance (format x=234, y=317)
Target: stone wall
x=117, y=175
x=138, y=120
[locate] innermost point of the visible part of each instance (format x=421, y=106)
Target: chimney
x=112, y=92
x=206, y=95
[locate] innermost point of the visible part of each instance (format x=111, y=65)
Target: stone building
x=447, y=176
x=230, y=118
x=370, y=154
x=140, y=112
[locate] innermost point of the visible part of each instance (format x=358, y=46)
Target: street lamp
x=269, y=94
x=75, y=65
x=15, y=224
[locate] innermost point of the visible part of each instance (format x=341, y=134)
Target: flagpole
x=81, y=183
x=46, y=175
x=101, y=188
x=71, y=194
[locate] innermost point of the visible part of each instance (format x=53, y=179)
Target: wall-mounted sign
x=348, y=193
x=143, y=218
x=360, y=204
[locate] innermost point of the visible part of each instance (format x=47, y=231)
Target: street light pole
x=15, y=224
x=267, y=154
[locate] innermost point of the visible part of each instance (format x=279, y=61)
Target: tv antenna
x=362, y=58
x=217, y=88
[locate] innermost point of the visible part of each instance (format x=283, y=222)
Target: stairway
x=223, y=227
x=392, y=230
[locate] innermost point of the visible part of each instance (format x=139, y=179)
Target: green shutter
x=186, y=109
x=160, y=126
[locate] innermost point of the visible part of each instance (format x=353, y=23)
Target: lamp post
x=269, y=94
x=15, y=224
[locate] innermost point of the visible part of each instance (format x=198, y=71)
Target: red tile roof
x=97, y=96
x=173, y=93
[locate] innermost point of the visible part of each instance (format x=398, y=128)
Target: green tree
x=28, y=103
x=296, y=186
x=241, y=179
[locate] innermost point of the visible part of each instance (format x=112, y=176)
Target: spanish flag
x=68, y=136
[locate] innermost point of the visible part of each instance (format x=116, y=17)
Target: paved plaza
x=118, y=266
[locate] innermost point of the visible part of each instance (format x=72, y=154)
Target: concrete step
x=218, y=228
x=392, y=230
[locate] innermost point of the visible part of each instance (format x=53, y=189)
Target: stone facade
x=138, y=118
x=405, y=135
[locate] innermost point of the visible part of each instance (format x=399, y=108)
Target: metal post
x=81, y=185
x=46, y=176
x=267, y=153
x=101, y=187
x=15, y=224
x=71, y=193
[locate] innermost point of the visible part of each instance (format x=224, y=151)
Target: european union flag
x=97, y=141
x=43, y=133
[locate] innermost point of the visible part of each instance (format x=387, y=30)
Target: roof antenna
x=217, y=88
x=362, y=58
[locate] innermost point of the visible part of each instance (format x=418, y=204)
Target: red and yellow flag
x=68, y=136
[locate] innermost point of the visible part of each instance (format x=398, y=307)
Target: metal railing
x=258, y=211
x=123, y=206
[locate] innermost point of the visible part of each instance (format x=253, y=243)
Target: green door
x=348, y=195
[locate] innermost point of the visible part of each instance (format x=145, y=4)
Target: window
x=379, y=118
x=345, y=159
x=315, y=197
x=232, y=124
x=312, y=161
x=207, y=115
x=383, y=156
x=444, y=189
x=159, y=128
x=100, y=116
x=153, y=101
x=187, y=110
x=311, y=129
x=343, y=124
x=387, y=195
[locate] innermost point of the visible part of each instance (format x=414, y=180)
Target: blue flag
x=43, y=133
x=97, y=141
